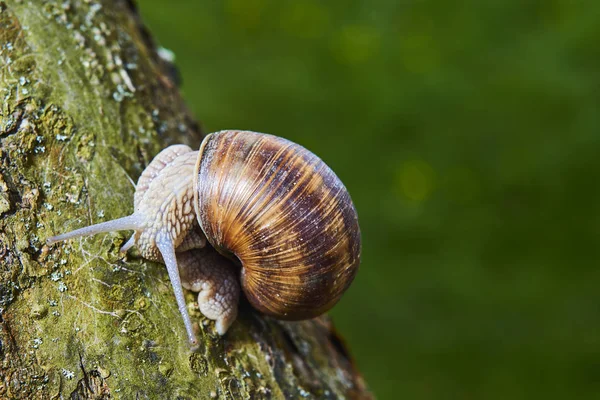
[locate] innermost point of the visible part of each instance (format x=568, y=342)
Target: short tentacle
x=130, y=243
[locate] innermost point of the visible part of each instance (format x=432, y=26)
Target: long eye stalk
x=120, y=224
x=165, y=245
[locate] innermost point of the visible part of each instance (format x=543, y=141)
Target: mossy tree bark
x=86, y=103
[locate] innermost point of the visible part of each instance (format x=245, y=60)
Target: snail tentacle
x=165, y=246
x=130, y=243
x=130, y=222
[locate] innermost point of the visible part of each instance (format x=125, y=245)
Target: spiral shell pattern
x=284, y=214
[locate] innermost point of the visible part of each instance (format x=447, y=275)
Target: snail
x=283, y=224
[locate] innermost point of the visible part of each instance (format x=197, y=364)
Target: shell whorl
x=283, y=213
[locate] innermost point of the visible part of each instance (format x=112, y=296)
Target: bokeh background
x=468, y=134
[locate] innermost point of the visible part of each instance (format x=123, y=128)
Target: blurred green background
x=468, y=134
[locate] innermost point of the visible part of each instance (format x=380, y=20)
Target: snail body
x=271, y=206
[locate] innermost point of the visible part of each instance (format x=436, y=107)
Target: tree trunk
x=86, y=103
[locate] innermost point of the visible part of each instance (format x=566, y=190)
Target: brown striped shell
x=283, y=213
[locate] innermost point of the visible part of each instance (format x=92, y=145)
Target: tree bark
x=86, y=103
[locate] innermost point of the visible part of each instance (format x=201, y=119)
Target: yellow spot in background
x=354, y=44
x=416, y=180
x=306, y=19
x=245, y=13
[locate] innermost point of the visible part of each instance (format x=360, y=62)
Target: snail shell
x=284, y=214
